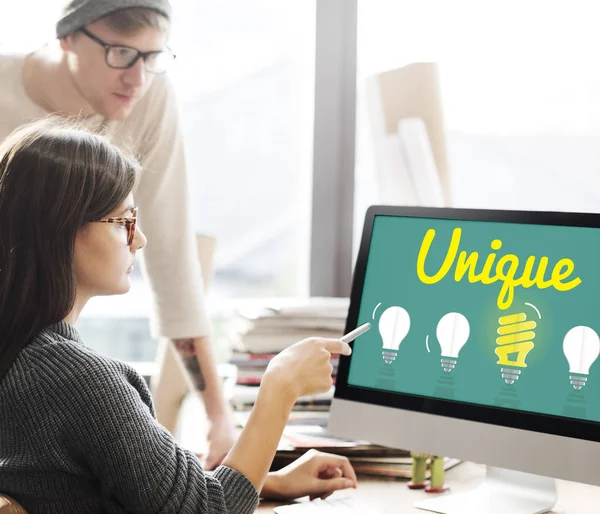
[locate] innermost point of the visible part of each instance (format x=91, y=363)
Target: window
x=520, y=94
x=246, y=72
x=20, y=31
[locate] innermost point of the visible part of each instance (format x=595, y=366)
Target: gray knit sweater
x=78, y=435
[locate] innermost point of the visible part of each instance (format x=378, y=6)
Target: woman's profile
x=77, y=428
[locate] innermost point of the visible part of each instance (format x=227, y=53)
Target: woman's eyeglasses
x=130, y=223
x=123, y=57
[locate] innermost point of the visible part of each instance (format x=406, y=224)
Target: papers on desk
x=367, y=459
x=244, y=397
x=304, y=432
x=269, y=327
x=344, y=505
x=304, y=437
x=260, y=330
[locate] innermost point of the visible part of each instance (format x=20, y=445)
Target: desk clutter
x=260, y=331
x=305, y=431
x=270, y=327
x=346, y=505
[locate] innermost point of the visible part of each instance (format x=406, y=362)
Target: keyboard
x=345, y=505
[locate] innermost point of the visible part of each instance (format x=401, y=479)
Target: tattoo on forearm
x=187, y=352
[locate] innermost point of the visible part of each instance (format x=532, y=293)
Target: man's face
x=111, y=92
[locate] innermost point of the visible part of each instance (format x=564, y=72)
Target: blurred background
x=519, y=90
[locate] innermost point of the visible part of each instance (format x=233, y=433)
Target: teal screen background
x=391, y=280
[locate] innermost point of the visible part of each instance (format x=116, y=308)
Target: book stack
x=303, y=433
x=258, y=332
x=366, y=459
x=269, y=327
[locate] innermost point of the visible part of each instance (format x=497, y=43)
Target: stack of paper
x=304, y=431
x=260, y=330
x=244, y=398
x=268, y=328
x=366, y=459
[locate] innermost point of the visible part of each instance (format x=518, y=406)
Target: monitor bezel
x=543, y=423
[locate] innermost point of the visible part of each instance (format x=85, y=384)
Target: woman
x=77, y=429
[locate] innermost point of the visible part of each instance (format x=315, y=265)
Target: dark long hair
x=54, y=178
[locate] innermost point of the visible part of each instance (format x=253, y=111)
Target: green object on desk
x=437, y=472
x=419, y=468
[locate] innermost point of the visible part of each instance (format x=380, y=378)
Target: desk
x=393, y=497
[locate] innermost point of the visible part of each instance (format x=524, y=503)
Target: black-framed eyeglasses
x=122, y=57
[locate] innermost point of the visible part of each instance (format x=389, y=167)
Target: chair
x=170, y=385
x=10, y=506
x=407, y=127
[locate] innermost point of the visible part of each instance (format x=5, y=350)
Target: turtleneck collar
x=66, y=330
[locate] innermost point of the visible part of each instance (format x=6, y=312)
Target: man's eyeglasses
x=123, y=57
x=130, y=223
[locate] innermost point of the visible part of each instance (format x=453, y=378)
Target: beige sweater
x=153, y=134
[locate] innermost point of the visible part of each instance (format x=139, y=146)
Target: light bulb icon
x=394, y=324
x=581, y=346
x=452, y=331
x=515, y=337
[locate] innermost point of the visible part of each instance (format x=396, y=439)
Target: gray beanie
x=78, y=13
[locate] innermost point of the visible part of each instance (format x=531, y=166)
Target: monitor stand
x=502, y=492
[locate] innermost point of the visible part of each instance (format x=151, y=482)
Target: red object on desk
x=442, y=489
x=417, y=485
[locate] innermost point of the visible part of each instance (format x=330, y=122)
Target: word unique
x=505, y=270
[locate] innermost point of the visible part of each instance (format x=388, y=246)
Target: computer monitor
x=484, y=346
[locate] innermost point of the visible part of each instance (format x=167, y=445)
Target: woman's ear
x=66, y=43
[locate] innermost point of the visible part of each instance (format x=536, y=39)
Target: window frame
x=331, y=255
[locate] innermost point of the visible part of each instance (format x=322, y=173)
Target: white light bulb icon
x=394, y=324
x=581, y=346
x=452, y=332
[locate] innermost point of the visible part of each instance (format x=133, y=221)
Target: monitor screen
x=496, y=313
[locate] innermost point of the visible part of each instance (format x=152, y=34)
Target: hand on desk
x=315, y=474
x=221, y=437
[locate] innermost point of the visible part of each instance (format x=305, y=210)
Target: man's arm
x=186, y=348
x=170, y=261
x=199, y=362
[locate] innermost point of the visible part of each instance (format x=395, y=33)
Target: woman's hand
x=304, y=368
x=315, y=474
x=301, y=369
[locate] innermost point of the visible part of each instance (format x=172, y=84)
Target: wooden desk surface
x=393, y=497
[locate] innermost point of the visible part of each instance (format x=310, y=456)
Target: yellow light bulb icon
x=515, y=337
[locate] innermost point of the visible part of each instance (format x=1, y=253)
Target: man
x=108, y=68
